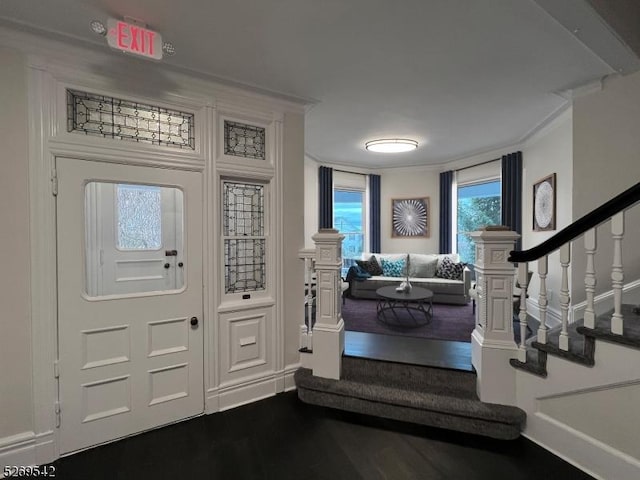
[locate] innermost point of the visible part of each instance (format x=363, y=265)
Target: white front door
x=129, y=309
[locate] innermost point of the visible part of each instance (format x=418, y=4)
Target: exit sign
x=134, y=39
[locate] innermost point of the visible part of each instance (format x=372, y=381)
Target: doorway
x=130, y=329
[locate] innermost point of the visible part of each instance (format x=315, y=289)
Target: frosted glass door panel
x=133, y=238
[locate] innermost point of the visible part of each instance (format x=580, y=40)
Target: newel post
x=328, y=332
x=492, y=342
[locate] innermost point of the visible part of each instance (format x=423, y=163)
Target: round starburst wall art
x=544, y=204
x=410, y=217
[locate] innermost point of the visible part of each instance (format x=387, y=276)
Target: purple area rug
x=449, y=322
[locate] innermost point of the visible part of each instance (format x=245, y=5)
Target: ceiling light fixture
x=391, y=145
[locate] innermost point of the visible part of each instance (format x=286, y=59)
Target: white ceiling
x=459, y=76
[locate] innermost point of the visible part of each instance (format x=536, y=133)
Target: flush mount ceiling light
x=391, y=145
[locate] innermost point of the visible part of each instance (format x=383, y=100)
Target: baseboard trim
x=46, y=448
x=604, y=301
x=212, y=401
x=554, y=317
x=17, y=450
x=289, y=382
x=248, y=391
x=595, y=458
x=251, y=389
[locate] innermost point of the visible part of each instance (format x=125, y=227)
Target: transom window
x=111, y=117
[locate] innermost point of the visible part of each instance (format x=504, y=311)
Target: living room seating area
x=444, y=275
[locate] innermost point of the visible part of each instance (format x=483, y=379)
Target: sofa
x=422, y=273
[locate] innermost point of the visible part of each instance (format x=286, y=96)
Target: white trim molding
x=26, y=448
x=584, y=452
x=554, y=316
x=604, y=302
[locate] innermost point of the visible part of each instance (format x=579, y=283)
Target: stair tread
x=470, y=406
x=602, y=330
x=581, y=348
x=409, y=377
x=535, y=363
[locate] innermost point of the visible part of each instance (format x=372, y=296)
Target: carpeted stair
x=582, y=341
x=424, y=395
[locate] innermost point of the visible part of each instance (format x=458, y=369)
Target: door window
x=134, y=239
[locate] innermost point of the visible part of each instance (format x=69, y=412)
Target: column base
x=328, y=346
x=496, y=377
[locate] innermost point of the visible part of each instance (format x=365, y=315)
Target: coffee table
x=391, y=303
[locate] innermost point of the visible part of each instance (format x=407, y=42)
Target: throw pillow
x=422, y=266
x=393, y=268
x=371, y=266
x=450, y=270
x=360, y=272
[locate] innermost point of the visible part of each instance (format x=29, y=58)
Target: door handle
x=180, y=264
x=166, y=265
x=194, y=321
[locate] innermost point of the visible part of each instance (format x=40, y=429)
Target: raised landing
x=409, y=350
x=424, y=395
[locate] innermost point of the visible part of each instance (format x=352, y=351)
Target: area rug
x=450, y=322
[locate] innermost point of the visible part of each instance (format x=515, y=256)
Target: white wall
x=310, y=200
x=294, y=170
x=549, y=151
x=582, y=410
x=408, y=183
x=15, y=322
x=606, y=160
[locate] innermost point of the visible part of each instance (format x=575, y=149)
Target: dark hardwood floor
x=283, y=438
x=416, y=351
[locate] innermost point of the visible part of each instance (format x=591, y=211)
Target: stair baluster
x=617, y=272
x=543, y=268
x=306, y=329
x=308, y=268
x=523, y=273
x=590, y=245
x=565, y=259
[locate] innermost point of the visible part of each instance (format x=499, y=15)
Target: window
x=244, y=237
x=349, y=220
x=479, y=204
x=139, y=209
x=134, y=239
x=120, y=119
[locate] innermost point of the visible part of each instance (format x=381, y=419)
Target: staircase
x=576, y=383
x=424, y=395
x=582, y=341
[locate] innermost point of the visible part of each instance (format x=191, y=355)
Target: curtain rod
x=478, y=164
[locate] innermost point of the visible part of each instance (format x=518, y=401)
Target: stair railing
x=586, y=226
x=306, y=329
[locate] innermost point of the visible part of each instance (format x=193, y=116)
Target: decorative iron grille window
x=244, y=237
x=111, y=117
x=243, y=140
